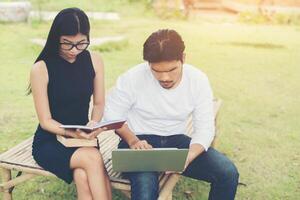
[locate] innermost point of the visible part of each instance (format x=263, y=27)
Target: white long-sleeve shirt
x=151, y=109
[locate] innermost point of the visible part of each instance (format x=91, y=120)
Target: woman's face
x=72, y=45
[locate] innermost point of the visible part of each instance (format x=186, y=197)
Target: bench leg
x=167, y=189
x=126, y=193
x=170, y=196
x=6, y=176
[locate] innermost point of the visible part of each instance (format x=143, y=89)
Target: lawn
x=254, y=69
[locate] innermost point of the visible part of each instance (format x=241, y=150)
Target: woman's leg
x=90, y=160
x=82, y=184
x=108, y=186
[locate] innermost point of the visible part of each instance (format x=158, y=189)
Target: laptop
x=156, y=159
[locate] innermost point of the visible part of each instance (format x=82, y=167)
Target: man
x=156, y=98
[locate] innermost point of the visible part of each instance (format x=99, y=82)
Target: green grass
x=254, y=69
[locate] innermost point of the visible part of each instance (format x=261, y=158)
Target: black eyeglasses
x=79, y=46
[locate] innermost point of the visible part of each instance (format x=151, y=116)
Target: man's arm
x=131, y=139
x=118, y=103
x=203, y=122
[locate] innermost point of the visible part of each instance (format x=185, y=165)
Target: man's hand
x=194, y=151
x=131, y=139
x=140, y=144
x=187, y=162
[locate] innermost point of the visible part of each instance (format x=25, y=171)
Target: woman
x=62, y=80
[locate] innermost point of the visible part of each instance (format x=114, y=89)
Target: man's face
x=168, y=73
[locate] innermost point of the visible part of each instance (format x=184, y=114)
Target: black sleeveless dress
x=69, y=92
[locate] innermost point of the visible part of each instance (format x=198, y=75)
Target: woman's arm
x=99, y=91
x=39, y=81
x=98, y=94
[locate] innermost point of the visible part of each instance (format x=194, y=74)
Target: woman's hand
x=95, y=133
x=72, y=133
x=91, y=123
x=78, y=134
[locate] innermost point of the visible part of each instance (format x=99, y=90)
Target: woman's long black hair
x=69, y=21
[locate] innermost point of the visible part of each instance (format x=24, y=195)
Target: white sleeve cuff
x=205, y=142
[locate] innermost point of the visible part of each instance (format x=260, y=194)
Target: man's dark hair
x=163, y=45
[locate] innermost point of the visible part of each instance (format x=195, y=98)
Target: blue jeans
x=210, y=166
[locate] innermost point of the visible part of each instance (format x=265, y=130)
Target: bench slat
x=16, y=148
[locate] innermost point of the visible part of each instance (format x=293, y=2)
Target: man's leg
x=144, y=185
x=216, y=168
x=213, y=167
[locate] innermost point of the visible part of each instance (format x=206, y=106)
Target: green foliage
x=165, y=13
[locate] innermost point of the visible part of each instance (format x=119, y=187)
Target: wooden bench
x=19, y=158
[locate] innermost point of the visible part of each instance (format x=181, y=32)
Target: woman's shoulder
x=39, y=67
x=95, y=55
x=97, y=61
x=39, y=71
